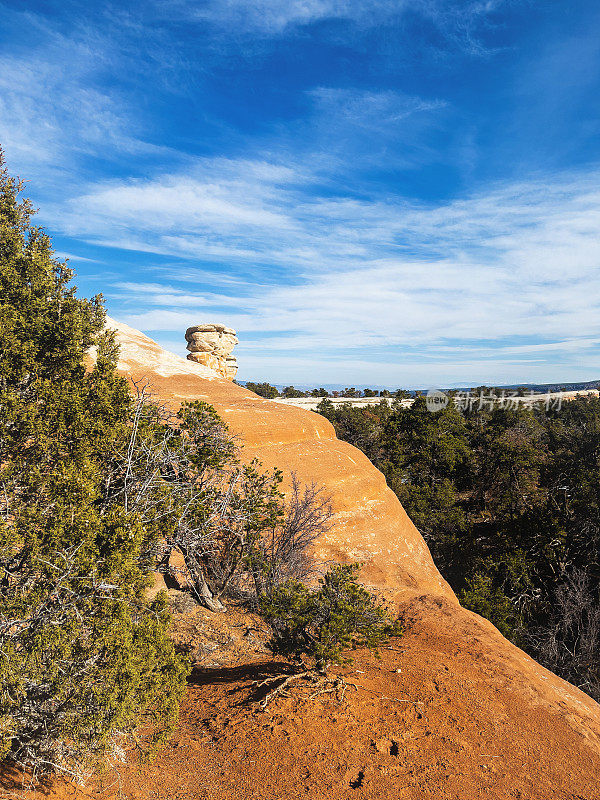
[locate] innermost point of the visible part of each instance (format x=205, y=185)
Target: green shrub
x=263, y=389
x=83, y=657
x=490, y=601
x=321, y=624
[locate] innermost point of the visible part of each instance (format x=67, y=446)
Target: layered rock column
x=211, y=344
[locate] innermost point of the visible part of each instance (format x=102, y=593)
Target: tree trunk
x=260, y=584
x=205, y=596
x=198, y=584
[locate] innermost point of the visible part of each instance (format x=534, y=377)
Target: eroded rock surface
x=211, y=344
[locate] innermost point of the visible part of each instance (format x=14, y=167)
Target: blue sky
x=393, y=192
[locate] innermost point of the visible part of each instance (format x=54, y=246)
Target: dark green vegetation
x=271, y=392
x=508, y=500
x=263, y=389
x=322, y=623
x=313, y=627
x=98, y=489
x=82, y=655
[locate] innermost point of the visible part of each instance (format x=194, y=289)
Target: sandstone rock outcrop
x=486, y=719
x=211, y=344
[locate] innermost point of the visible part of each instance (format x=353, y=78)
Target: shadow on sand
x=242, y=677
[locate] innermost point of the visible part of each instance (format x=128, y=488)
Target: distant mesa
x=211, y=344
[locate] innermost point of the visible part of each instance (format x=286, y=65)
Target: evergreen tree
x=83, y=657
x=263, y=389
x=321, y=624
x=291, y=391
x=508, y=498
x=315, y=627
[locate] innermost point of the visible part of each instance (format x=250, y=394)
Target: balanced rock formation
x=211, y=344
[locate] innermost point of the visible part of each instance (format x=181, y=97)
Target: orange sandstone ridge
x=370, y=524
x=455, y=711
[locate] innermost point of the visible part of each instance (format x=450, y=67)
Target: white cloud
x=183, y=204
x=370, y=128
x=374, y=112
x=273, y=17
x=56, y=108
x=516, y=269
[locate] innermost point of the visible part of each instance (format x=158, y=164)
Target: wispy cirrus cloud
x=371, y=128
x=58, y=114
x=273, y=17
x=459, y=21
x=258, y=210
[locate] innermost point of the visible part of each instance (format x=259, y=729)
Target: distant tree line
x=508, y=500
x=271, y=392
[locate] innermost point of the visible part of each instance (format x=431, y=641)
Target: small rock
x=382, y=745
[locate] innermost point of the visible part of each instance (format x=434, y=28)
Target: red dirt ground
x=431, y=719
